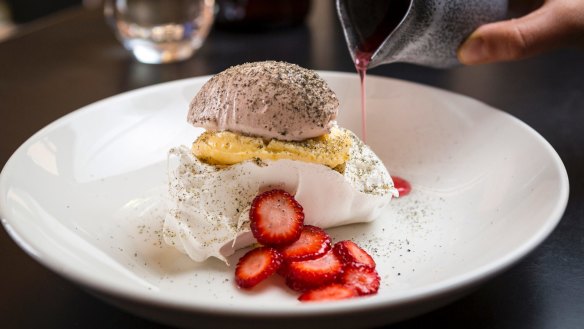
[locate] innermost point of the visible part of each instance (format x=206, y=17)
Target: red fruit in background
x=276, y=219
x=257, y=265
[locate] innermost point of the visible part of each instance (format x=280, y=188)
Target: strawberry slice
x=350, y=253
x=333, y=291
x=313, y=273
x=296, y=286
x=276, y=219
x=256, y=265
x=364, y=280
x=312, y=243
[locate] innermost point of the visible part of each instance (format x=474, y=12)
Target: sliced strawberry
x=276, y=219
x=283, y=269
x=313, y=243
x=350, y=253
x=333, y=291
x=313, y=273
x=297, y=286
x=256, y=265
x=365, y=280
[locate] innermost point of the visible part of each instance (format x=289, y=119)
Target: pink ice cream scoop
x=266, y=99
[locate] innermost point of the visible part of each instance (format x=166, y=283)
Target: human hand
x=557, y=23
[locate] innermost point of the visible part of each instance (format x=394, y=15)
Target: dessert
x=268, y=99
x=270, y=125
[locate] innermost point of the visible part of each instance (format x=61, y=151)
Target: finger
x=514, y=39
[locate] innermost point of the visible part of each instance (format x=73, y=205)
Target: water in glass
x=161, y=31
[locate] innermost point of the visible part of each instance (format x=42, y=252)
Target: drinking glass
x=160, y=31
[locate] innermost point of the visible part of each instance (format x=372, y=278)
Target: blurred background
x=15, y=13
x=234, y=15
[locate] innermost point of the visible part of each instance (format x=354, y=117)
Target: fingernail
x=473, y=51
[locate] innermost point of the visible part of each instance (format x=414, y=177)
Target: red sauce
x=387, y=16
x=362, y=60
x=403, y=186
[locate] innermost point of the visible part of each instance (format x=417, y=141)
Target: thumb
x=543, y=29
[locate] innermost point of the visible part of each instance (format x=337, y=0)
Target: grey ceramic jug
x=425, y=32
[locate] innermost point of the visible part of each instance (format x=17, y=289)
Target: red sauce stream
x=379, y=25
x=367, y=46
x=362, y=60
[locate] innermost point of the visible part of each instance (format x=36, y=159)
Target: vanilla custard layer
x=227, y=148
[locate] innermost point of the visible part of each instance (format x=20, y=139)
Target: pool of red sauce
x=403, y=186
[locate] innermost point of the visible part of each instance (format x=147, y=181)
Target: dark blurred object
x=23, y=11
x=256, y=15
x=518, y=8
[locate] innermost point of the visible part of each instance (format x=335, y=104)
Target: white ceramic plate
x=83, y=197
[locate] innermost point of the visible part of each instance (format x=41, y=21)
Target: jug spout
x=367, y=24
x=424, y=32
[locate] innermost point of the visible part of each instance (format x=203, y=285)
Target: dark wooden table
x=62, y=63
